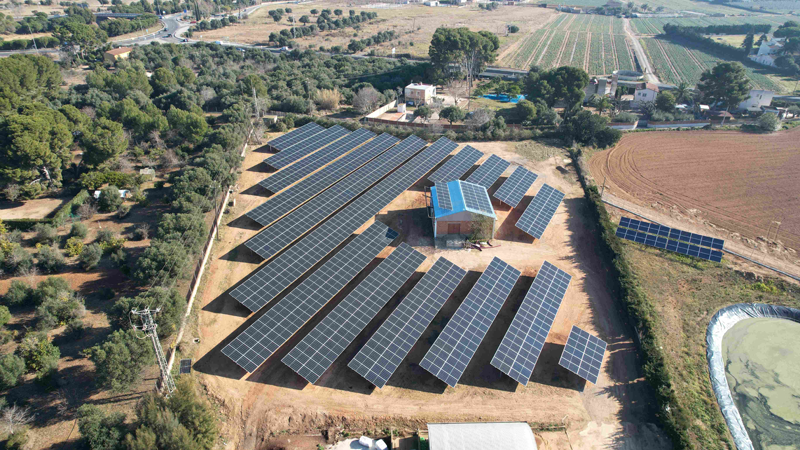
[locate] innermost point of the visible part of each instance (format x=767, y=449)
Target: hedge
x=59, y=218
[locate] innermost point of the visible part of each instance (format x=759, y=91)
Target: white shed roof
x=481, y=436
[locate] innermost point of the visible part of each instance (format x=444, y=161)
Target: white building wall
x=758, y=98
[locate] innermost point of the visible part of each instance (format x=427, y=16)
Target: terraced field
x=656, y=26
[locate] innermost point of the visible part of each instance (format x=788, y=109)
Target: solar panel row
x=288, y=176
x=514, y=188
x=475, y=197
x=261, y=339
x=320, y=348
x=387, y=348
x=275, y=238
x=672, y=233
x=669, y=244
x=451, y=353
x=443, y=196
x=489, y=171
x=306, y=147
x=540, y=212
x=290, y=199
x=521, y=346
x=456, y=166
x=278, y=274
x=583, y=354
x=295, y=136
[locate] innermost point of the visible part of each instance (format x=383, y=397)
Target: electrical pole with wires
x=149, y=328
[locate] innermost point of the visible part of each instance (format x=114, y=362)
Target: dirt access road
x=272, y=402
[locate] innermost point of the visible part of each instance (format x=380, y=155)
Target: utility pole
x=149, y=328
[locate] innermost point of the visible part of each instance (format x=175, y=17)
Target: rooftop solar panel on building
x=514, y=188
x=306, y=147
x=521, y=346
x=295, y=136
x=672, y=233
x=456, y=166
x=387, y=348
x=261, y=339
x=451, y=353
x=443, y=196
x=669, y=244
x=275, y=238
x=583, y=354
x=278, y=274
x=540, y=212
x=290, y=199
x=489, y=171
x=320, y=348
x=475, y=197
x=288, y=176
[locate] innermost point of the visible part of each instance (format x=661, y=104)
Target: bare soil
x=31, y=209
x=274, y=401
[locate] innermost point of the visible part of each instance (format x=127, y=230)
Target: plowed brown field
x=738, y=181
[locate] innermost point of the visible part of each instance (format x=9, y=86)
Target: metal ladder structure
x=149, y=328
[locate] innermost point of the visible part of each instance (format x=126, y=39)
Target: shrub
x=119, y=360
x=18, y=293
x=50, y=288
x=142, y=232
x=50, y=258
x=74, y=246
x=625, y=117
x=12, y=367
x=123, y=211
x=39, y=354
x=100, y=431
x=769, y=122
x=86, y=211
x=5, y=316
x=45, y=234
x=90, y=256
x=75, y=328
x=58, y=311
x=78, y=230
x=110, y=199
x=119, y=257
x=105, y=235
x=18, y=439
x=112, y=245
x=329, y=99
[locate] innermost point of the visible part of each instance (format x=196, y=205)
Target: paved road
x=644, y=63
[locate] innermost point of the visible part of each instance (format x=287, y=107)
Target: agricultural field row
x=670, y=5
x=548, y=56
x=596, y=58
x=525, y=49
x=624, y=57
x=656, y=26
x=589, y=23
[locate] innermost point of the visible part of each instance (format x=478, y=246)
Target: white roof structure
x=481, y=436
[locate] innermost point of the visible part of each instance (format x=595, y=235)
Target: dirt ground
x=274, y=401
x=31, y=209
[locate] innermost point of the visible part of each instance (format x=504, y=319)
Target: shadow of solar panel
x=320, y=348
x=523, y=342
x=288, y=176
x=261, y=339
x=669, y=244
x=443, y=196
x=306, y=147
x=278, y=274
x=540, y=212
x=514, y=188
x=295, y=136
x=386, y=349
x=454, y=348
x=456, y=166
x=476, y=197
x=489, y=171
x=287, y=201
x=583, y=354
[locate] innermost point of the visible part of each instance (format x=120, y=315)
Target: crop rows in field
x=548, y=56
x=596, y=58
x=624, y=58
x=656, y=26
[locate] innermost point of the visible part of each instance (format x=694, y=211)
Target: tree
x=110, y=199
x=769, y=122
x=525, y=110
x=314, y=12
x=40, y=355
x=682, y=91
x=470, y=50
x=747, y=44
x=513, y=29
x=101, y=431
x=563, y=83
x=26, y=78
x=452, y=114
x=725, y=85
x=191, y=126
x=587, y=129
x=105, y=141
x=18, y=293
x=5, y=316
x=304, y=19
x=338, y=12
x=163, y=80
x=161, y=259
x=86, y=37
x=15, y=419
x=424, y=112
x=34, y=144
x=366, y=99
x=665, y=102
x=90, y=256
x=50, y=258
x=12, y=367
x=119, y=360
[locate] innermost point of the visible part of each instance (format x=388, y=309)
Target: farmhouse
x=758, y=100
x=475, y=436
x=645, y=92
x=768, y=52
x=116, y=54
x=462, y=208
x=419, y=93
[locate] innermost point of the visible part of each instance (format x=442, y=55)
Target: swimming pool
x=504, y=98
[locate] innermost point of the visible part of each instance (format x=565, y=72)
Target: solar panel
x=521, y=346
x=672, y=233
x=275, y=238
x=290, y=199
x=583, y=354
x=295, y=136
x=305, y=166
x=475, y=197
x=278, y=274
x=261, y=339
x=489, y=171
x=451, y=353
x=669, y=244
x=540, y=212
x=443, y=196
x=186, y=366
x=306, y=147
x=386, y=349
x=514, y=188
x=456, y=166
x=320, y=348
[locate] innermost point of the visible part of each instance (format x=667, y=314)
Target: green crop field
x=668, y=5
x=656, y=26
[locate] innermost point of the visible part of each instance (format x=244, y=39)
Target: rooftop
x=463, y=197
x=481, y=436
x=119, y=51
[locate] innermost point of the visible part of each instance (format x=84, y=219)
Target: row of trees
x=118, y=27
x=357, y=46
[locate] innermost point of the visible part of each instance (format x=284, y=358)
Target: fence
x=679, y=124
x=623, y=126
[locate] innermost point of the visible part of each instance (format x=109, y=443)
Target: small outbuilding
x=461, y=208
x=646, y=92
x=116, y=54
x=481, y=436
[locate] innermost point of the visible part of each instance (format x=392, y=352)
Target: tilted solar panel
x=669, y=244
x=295, y=136
x=514, y=188
x=583, y=354
x=386, y=349
x=278, y=274
x=540, y=212
x=306, y=147
x=451, y=353
x=456, y=166
x=443, y=196
x=288, y=176
x=320, y=348
x=672, y=233
x=292, y=198
x=489, y=171
x=475, y=197
x=261, y=339
x=521, y=346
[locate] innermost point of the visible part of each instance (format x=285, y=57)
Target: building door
x=454, y=228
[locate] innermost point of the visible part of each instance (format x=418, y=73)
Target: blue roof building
x=458, y=205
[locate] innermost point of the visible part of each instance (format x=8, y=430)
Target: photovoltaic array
x=306, y=147
x=320, y=348
x=386, y=349
x=540, y=212
x=278, y=274
x=456, y=166
x=261, y=339
x=475, y=197
x=583, y=354
x=451, y=353
x=489, y=171
x=671, y=239
x=443, y=196
x=288, y=176
x=186, y=366
x=292, y=198
x=295, y=136
x=275, y=238
x=514, y=188
x=521, y=346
